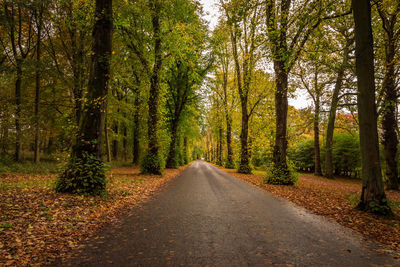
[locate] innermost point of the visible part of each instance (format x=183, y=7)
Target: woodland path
x=206, y=217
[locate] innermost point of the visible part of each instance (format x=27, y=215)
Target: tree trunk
x=185, y=150
x=125, y=143
x=107, y=139
x=244, y=138
x=331, y=120
x=372, y=189
x=229, y=156
x=389, y=121
x=317, y=154
x=37, y=89
x=115, y=141
x=172, y=162
x=136, y=147
x=220, y=147
x=78, y=73
x=87, y=149
x=281, y=110
x=17, y=155
x=4, y=143
x=153, y=102
x=92, y=122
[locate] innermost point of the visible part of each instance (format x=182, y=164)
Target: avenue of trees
x=343, y=55
x=146, y=82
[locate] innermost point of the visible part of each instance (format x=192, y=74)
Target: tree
x=389, y=20
x=289, y=26
x=85, y=172
x=340, y=76
x=373, y=196
x=18, y=16
x=222, y=73
x=38, y=15
x=243, y=18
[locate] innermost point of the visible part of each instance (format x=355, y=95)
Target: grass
x=27, y=167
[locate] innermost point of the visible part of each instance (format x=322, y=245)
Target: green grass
x=259, y=172
x=46, y=166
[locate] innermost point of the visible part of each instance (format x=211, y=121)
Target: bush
x=346, y=154
x=152, y=164
x=261, y=156
x=244, y=169
x=278, y=176
x=84, y=176
x=302, y=155
x=229, y=164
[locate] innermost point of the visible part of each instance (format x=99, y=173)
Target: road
x=206, y=217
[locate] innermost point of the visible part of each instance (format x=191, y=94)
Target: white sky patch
x=301, y=100
x=212, y=13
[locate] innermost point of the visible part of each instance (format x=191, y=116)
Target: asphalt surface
x=206, y=217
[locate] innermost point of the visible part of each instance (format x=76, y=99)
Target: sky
x=211, y=15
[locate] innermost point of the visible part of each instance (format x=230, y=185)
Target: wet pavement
x=206, y=217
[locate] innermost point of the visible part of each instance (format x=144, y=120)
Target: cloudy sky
x=212, y=12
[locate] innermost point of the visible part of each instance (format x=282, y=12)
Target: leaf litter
x=38, y=225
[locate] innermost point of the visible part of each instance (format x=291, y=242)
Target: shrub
x=84, y=176
x=152, y=164
x=346, y=154
x=229, y=164
x=244, y=169
x=302, y=155
x=278, y=176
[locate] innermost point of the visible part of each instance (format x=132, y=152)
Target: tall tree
x=389, y=15
x=340, y=70
x=85, y=172
x=18, y=18
x=38, y=14
x=372, y=194
x=244, y=18
x=223, y=57
x=289, y=26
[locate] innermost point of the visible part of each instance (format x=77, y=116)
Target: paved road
x=205, y=217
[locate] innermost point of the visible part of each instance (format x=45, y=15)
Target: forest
x=90, y=87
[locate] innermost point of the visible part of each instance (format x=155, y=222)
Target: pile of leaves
x=336, y=200
x=38, y=225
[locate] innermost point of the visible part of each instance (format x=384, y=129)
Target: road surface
x=206, y=217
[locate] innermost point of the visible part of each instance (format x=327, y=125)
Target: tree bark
x=317, y=154
x=89, y=139
x=107, y=139
x=220, y=147
x=17, y=155
x=372, y=189
x=115, y=146
x=185, y=150
x=172, y=162
x=136, y=145
x=39, y=23
x=153, y=102
x=229, y=156
x=389, y=121
x=244, y=166
x=281, y=110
